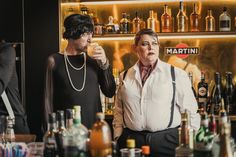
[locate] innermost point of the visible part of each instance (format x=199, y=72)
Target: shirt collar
x=159, y=66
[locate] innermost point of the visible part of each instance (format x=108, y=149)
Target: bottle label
x=225, y=24
x=202, y=92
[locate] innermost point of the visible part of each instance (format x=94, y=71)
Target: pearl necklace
x=66, y=59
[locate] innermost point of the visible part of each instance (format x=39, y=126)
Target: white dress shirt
x=148, y=107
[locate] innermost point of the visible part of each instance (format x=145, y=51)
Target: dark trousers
x=21, y=125
x=162, y=143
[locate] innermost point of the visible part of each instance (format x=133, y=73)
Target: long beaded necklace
x=66, y=59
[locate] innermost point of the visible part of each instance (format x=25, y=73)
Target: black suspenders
x=172, y=70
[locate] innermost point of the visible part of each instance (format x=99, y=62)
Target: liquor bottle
x=157, y=23
x=69, y=118
x=224, y=21
x=109, y=104
x=114, y=149
x=136, y=23
x=152, y=22
x=75, y=140
x=131, y=147
x=110, y=27
x=50, y=146
x=124, y=24
x=228, y=93
x=84, y=10
x=100, y=137
x=203, y=139
x=60, y=132
x=166, y=23
x=145, y=151
x=202, y=91
x=182, y=19
x=10, y=134
x=225, y=143
x=183, y=149
x=210, y=21
x=212, y=121
x=195, y=20
x=216, y=93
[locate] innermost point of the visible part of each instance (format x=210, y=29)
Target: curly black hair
x=77, y=24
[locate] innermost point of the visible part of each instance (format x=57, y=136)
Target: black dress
x=9, y=83
x=59, y=94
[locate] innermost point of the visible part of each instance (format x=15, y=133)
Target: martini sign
x=182, y=50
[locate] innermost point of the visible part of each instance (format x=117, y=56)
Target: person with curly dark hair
x=9, y=84
x=75, y=78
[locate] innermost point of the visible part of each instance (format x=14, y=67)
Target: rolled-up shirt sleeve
x=186, y=100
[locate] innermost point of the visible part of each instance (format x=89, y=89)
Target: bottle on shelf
x=114, y=149
x=194, y=20
x=182, y=19
x=69, y=118
x=152, y=22
x=60, y=132
x=224, y=21
x=111, y=27
x=216, y=93
x=228, y=93
x=203, y=138
x=166, y=20
x=183, y=149
x=202, y=92
x=212, y=121
x=84, y=10
x=124, y=24
x=109, y=104
x=100, y=137
x=210, y=21
x=157, y=25
x=50, y=146
x=75, y=140
x=136, y=23
x=145, y=151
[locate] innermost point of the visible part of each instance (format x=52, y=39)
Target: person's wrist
x=105, y=65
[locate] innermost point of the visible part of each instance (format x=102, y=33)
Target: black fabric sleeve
x=107, y=82
x=48, y=92
x=7, y=64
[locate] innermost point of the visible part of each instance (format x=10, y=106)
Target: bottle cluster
x=181, y=22
x=210, y=101
x=211, y=140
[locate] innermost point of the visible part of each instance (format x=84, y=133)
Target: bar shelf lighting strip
x=166, y=37
x=129, y=2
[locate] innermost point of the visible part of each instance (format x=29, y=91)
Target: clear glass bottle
x=166, y=24
x=75, y=141
x=216, y=93
x=157, y=23
x=152, y=22
x=210, y=21
x=182, y=19
x=50, y=146
x=10, y=134
x=183, y=149
x=224, y=21
x=195, y=20
x=110, y=27
x=100, y=138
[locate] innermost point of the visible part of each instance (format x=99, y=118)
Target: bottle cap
x=130, y=143
x=52, y=117
x=69, y=113
x=60, y=115
x=77, y=108
x=146, y=150
x=100, y=116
